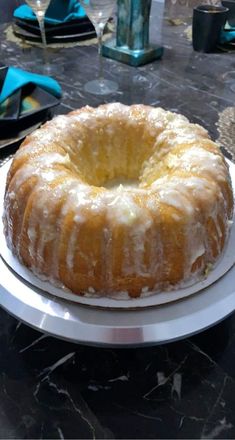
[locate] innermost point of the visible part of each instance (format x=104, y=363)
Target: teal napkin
x=17, y=78
x=59, y=11
x=227, y=36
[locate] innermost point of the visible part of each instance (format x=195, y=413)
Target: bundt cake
x=118, y=198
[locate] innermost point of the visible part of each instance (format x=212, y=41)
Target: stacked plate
x=74, y=30
x=23, y=111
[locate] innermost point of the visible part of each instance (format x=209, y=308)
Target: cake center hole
x=121, y=181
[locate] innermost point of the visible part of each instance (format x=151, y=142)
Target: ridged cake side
x=63, y=223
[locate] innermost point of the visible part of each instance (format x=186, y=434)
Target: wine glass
x=40, y=7
x=99, y=12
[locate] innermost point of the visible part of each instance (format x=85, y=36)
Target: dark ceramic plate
x=26, y=35
x=3, y=72
x=25, y=102
x=34, y=100
x=23, y=111
x=9, y=109
x=72, y=27
x=15, y=133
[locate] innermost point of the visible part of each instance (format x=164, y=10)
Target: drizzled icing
x=198, y=159
x=136, y=222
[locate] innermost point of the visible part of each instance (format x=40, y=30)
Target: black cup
x=208, y=21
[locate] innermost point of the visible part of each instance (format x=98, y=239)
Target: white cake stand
x=88, y=325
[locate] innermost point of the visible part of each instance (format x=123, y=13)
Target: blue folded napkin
x=17, y=78
x=59, y=11
x=227, y=36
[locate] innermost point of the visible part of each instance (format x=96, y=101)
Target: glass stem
x=99, y=32
x=41, y=22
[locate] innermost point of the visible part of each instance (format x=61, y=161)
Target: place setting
x=52, y=22
x=26, y=101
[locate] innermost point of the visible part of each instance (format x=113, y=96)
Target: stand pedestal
x=131, y=45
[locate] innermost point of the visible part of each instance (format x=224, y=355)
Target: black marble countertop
x=55, y=389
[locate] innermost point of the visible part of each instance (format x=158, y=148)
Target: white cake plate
x=91, y=326
x=96, y=326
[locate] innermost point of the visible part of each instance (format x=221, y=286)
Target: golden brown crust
x=63, y=223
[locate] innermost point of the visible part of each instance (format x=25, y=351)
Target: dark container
x=208, y=21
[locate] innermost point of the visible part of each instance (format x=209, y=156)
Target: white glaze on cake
x=192, y=189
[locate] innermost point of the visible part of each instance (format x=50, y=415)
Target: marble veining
x=55, y=389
